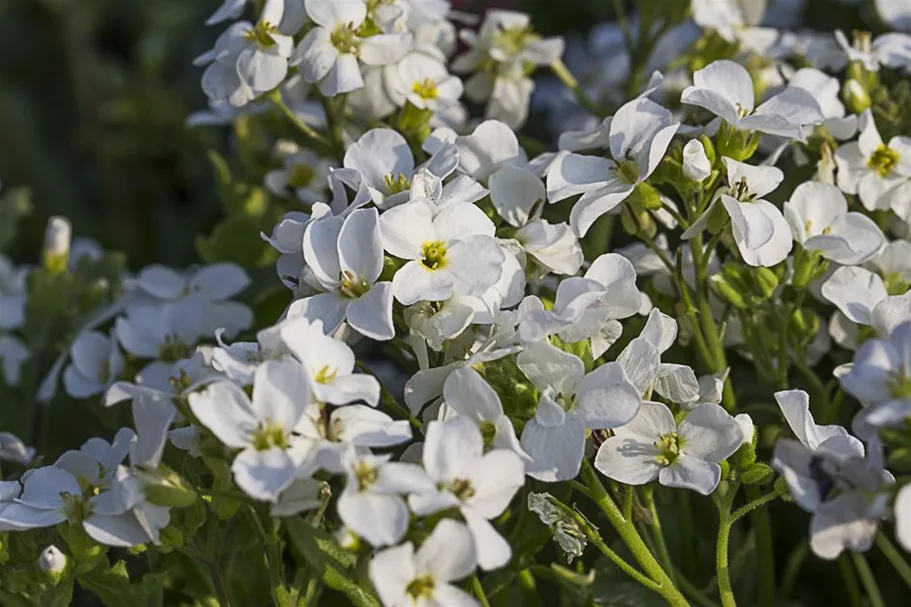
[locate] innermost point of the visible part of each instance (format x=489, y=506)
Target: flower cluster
x=474, y=332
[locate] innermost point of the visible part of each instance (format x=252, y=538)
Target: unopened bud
x=696, y=165
x=856, y=98
x=58, y=236
x=165, y=487
x=723, y=289
x=766, y=281
x=347, y=539
x=52, y=562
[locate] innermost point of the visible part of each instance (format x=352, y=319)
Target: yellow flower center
x=628, y=170
x=421, y=587
x=397, y=183
x=270, y=435
x=262, y=34
x=345, y=39
x=325, y=375
x=366, y=476
x=462, y=488
x=426, y=89
x=669, y=446
x=513, y=40
x=433, y=255
x=353, y=286
x=883, y=160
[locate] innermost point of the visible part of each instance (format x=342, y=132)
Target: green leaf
x=328, y=560
x=614, y=588
x=112, y=585
x=237, y=240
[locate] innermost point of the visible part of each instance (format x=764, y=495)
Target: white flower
x=209, y=286
x=161, y=332
x=13, y=294
x=696, y=165
x=761, y=232
x=795, y=405
x=862, y=297
x=640, y=133
x=820, y=221
x=371, y=504
x=345, y=255
x=491, y=146
x=480, y=484
x=330, y=52
x=403, y=577
x=871, y=168
x=584, y=306
x=239, y=360
x=826, y=90
x=423, y=81
x=110, y=509
x=304, y=173
x=328, y=365
x=13, y=354
x=653, y=446
x=262, y=427
x=892, y=49
x=843, y=490
x=451, y=253
x=248, y=60
x=571, y=402
x=881, y=378
x=385, y=161
x=466, y=393
x=302, y=494
x=13, y=449
x=96, y=363
x=726, y=89
x=896, y=13
x=52, y=560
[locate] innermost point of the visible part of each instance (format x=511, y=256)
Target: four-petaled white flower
x=820, y=221
x=451, y=253
x=871, y=168
x=331, y=52
x=345, y=255
x=640, y=133
x=403, y=577
x=653, y=446
x=263, y=427
x=725, y=88
x=571, y=403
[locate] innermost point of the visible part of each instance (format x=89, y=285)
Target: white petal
x=225, y=410
x=416, y=282
x=607, y=398
x=710, y=433
x=448, y=553
x=330, y=13
x=596, y=203
x=496, y=478
x=371, y=313
x=122, y=530
x=688, y=472
x=221, y=280
x=855, y=291
x=492, y=549
x=451, y=447
x=391, y=571
x=384, y=49
x=360, y=247
x=467, y=393
x=315, y=55
x=628, y=460
x=328, y=308
x=280, y=393
x=161, y=282
x=263, y=474
x=556, y=452
x=382, y=520
x=514, y=193
x=404, y=228
x=344, y=77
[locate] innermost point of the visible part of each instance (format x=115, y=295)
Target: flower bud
x=165, y=487
x=58, y=236
x=696, y=165
x=723, y=289
x=347, y=539
x=757, y=474
x=766, y=281
x=52, y=562
x=855, y=96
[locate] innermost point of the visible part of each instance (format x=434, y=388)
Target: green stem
x=562, y=72
x=722, y=568
x=765, y=550
x=792, y=568
x=529, y=588
x=850, y=579
x=663, y=553
x=478, y=591
x=867, y=579
x=627, y=531
x=695, y=593
x=889, y=550
x=308, y=132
